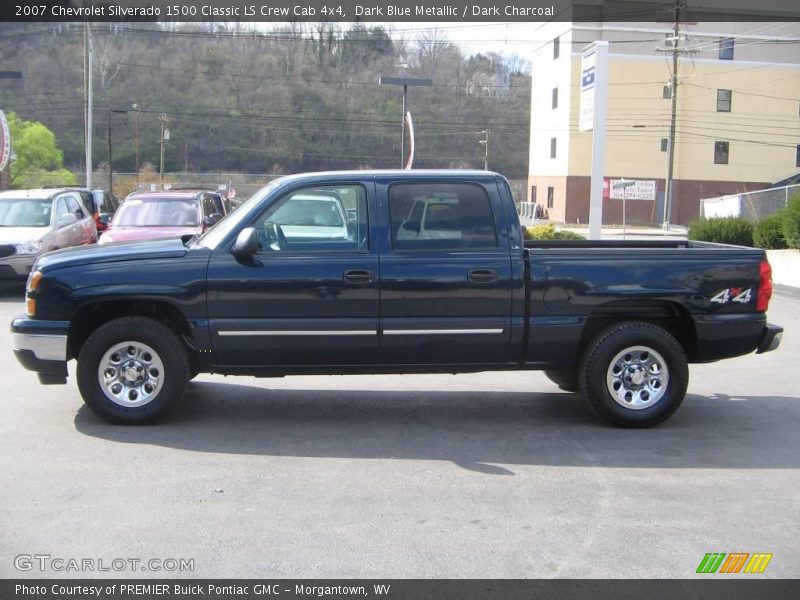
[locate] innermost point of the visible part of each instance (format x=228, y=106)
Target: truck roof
x=394, y=173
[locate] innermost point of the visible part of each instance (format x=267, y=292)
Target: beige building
x=738, y=114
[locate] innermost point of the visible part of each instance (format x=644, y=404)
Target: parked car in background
x=164, y=214
x=33, y=222
x=101, y=203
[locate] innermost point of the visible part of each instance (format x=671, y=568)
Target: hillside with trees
x=296, y=97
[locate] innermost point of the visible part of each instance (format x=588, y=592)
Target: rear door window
x=441, y=216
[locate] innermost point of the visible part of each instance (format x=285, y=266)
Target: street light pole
x=405, y=82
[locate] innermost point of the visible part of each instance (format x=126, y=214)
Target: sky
x=473, y=38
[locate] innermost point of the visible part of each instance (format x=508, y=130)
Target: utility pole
x=135, y=107
x=110, y=158
x=110, y=151
x=87, y=82
x=676, y=51
x=485, y=143
x=164, y=137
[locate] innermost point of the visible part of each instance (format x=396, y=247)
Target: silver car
x=33, y=222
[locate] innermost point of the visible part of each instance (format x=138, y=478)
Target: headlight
x=31, y=247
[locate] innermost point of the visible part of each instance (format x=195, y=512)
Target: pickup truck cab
x=619, y=321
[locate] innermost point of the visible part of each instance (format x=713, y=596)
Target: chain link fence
x=245, y=184
x=752, y=206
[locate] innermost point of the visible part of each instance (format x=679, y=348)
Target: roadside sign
x=632, y=189
x=588, y=67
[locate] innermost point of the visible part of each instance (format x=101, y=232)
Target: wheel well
x=93, y=316
x=670, y=316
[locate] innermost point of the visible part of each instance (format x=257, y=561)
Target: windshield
x=25, y=212
x=220, y=231
x=167, y=211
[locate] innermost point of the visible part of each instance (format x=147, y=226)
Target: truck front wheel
x=132, y=371
x=634, y=374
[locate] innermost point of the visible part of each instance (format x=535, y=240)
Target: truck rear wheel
x=566, y=379
x=132, y=370
x=634, y=374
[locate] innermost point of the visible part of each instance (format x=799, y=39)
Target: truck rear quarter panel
x=700, y=294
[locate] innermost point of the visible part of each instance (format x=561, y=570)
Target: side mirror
x=104, y=218
x=212, y=220
x=67, y=219
x=246, y=244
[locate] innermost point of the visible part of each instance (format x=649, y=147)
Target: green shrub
x=791, y=222
x=768, y=232
x=723, y=230
x=567, y=235
x=548, y=232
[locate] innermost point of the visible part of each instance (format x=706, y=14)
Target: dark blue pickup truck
x=390, y=271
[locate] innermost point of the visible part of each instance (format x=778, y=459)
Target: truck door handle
x=359, y=276
x=482, y=276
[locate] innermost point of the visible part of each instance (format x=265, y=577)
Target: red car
x=164, y=214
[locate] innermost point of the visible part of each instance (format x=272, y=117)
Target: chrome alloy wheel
x=131, y=374
x=637, y=377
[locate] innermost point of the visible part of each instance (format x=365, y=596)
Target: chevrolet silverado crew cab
x=390, y=272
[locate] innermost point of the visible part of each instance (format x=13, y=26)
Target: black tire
x=566, y=379
x=161, y=356
x=615, y=363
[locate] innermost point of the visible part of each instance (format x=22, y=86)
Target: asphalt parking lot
x=487, y=475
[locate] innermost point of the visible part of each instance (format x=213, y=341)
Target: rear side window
x=88, y=201
x=74, y=207
x=209, y=206
x=441, y=216
x=104, y=202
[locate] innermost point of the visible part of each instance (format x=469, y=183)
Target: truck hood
x=129, y=234
x=17, y=235
x=70, y=257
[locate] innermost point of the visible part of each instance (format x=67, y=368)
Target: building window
x=724, y=100
x=552, y=147
x=533, y=191
x=666, y=93
x=555, y=97
x=556, y=47
x=664, y=144
x=551, y=194
x=797, y=158
x=721, y=152
x=726, y=49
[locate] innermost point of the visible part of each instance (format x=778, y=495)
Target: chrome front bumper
x=43, y=346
